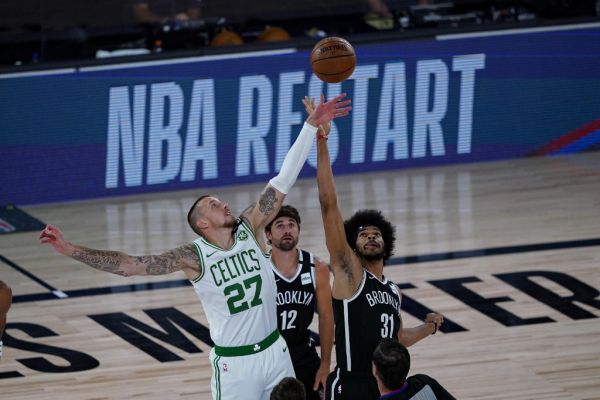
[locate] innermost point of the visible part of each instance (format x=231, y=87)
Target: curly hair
x=374, y=218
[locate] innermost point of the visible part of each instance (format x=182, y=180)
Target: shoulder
x=422, y=379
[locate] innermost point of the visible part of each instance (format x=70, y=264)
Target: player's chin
x=372, y=254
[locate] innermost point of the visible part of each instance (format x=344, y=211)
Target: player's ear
x=202, y=223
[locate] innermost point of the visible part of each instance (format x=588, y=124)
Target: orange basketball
x=333, y=59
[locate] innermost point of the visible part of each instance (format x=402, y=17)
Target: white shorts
x=250, y=376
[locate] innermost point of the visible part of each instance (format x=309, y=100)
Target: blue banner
x=202, y=122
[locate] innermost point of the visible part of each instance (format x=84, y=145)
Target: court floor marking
x=55, y=294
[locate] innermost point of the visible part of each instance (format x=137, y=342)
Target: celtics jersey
x=363, y=320
x=237, y=289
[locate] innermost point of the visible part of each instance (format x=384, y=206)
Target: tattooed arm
x=260, y=213
x=116, y=262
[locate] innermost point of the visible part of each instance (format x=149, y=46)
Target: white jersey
x=237, y=290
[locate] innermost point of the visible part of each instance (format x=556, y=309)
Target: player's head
x=370, y=235
x=289, y=389
x=283, y=231
x=391, y=363
x=208, y=212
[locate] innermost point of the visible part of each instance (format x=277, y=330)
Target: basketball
x=333, y=59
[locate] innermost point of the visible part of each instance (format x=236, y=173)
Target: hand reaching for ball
x=323, y=131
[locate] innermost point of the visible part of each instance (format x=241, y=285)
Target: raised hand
x=323, y=131
x=326, y=111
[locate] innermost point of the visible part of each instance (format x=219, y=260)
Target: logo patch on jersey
x=306, y=278
x=208, y=255
x=256, y=347
x=225, y=367
x=242, y=236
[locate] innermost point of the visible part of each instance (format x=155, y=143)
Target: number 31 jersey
x=362, y=321
x=237, y=289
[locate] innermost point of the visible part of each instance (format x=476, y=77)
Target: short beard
x=230, y=224
x=287, y=246
x=371, y=257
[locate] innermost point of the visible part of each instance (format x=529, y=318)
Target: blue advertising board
x=213, y=121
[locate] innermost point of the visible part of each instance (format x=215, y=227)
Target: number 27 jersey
x=237, y=290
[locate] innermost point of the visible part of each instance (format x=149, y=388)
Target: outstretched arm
x=116, y=262
x=346, y=266
x=272, y=197
x=325, y=308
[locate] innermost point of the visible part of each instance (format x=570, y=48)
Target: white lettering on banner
x=360, y=100
x=122, y=135
x=251, y=144
x=166, y=118
x=315, y=88
x=285, y=116
x=171, y=156
x=392, y=110
x=428, y=121
x=202, y=110
x=467, y=65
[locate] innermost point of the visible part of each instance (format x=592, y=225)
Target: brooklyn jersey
x=363, y=320
x=237, y=289
x=296, y=306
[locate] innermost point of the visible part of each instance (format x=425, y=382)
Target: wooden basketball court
x=508, y=251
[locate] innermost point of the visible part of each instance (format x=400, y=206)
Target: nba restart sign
x=213, y=121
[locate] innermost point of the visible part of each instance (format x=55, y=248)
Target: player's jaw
x=229, y=219
x=286, y=243
x=371, y=250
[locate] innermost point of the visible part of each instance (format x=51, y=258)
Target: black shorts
x=351, y=386
x=306, y=370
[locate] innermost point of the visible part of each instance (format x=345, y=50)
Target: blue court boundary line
x=392, y=262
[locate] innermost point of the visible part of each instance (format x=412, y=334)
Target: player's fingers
x=342, y=104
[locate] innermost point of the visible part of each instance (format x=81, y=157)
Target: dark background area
x=34, y=32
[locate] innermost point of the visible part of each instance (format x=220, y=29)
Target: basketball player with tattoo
x=302, y=281
x=366, y=305
x=231, y=274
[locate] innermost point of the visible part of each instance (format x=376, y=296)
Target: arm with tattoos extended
x=119, y=263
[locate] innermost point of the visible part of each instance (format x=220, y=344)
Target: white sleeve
x=294, y=159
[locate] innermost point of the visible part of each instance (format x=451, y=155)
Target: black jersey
x=296, y=308
x=363, y=320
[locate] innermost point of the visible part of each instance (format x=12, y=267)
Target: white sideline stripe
x=188, y=60
x=60, y=294
x=38, y=73
x=519, y=31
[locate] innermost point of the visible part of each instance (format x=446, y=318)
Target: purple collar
x=395, y=392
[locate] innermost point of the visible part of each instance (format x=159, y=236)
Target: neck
x=221, y=237
x=286, y=262
x=375, y=267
